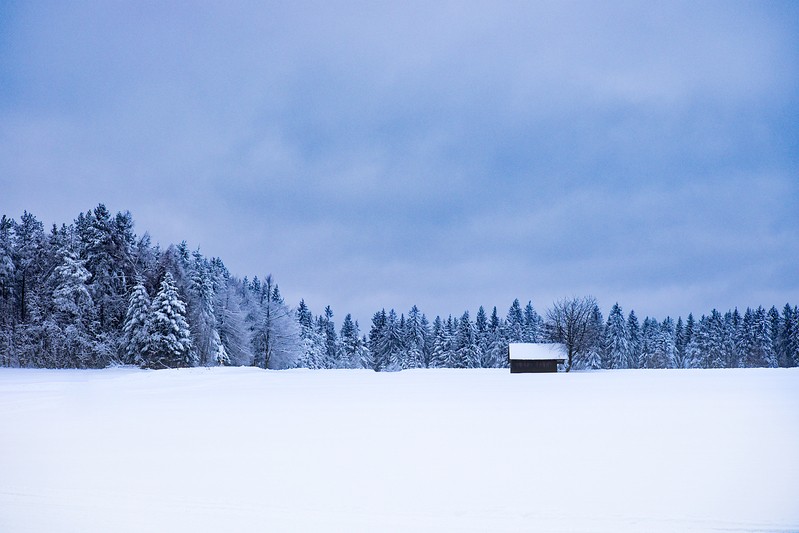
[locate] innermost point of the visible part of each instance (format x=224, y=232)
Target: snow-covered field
x=240, y=449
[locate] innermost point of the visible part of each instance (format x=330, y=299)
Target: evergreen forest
x=92, y=294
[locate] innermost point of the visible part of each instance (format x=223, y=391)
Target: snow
x=529, y=351
x=242, y=449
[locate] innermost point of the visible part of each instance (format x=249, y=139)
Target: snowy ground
x=239, y=449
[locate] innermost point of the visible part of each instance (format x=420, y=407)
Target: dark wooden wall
x=519, y=366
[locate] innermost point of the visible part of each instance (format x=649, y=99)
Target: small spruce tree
x=170, y=337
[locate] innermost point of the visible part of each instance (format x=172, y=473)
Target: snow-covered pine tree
x=71, y=295
x=71, y=341
x=696, y=341
x=467, y=354
x=30, y=297
x=714, y=341
x=794, y=338
x=107, y=249
x=6, y=270
x=591, y=359
x=375, y=338
x=205, y=337
x=679, y=344
x=761, y=353
x=328, y=331
x=497, y=354
x=29, y=253
x=6, y=291
x=533, y=324
x=135, y=337
x=774, y=330
x=169, y=334
x=616, y=341
x=754, y=340
x=693, y=356
x=390, y=344
x=786, y=355
x=354, y=353
x=428, y=340
x=415, y=339
x=514, y=323
x=451, y=325
x=402, y=356
x=438, y=358
x=482, y=336
x=312, y=345
x=729, y=346
x=650, y=330
x=665, y=344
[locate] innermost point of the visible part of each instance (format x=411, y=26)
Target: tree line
x=92, y=293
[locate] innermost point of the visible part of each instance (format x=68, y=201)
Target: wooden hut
x=535, y=357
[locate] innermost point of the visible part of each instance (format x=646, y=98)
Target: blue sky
x=444, y=154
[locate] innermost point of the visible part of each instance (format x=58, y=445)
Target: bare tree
x=569, y=322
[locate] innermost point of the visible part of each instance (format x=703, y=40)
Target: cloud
x=446, y=154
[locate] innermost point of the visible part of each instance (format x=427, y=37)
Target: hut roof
x=530, y=351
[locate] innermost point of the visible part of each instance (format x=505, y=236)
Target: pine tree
x=650, y=331
x=497, y=352
x=439, y=358
x=375, y=337
x=428, y=340
x=328, y=331
x=71, y=343
x=688, y=334
x=761, y=352
x=135, y=339
x=616, y=343
x=592, y=357
x=696, y=342
x=714, y=353
x=531, y=330
x=786, y=352
x=312, y=344
x=7, y=276
x=353, y=351
x=665, y=345
x=514, y=323
x=679, y=344
x=794, y=338
x=170, y=337
x=205, y=336
x=766, y=339
x=390, y=344
x=71, y=295
x=107, y=253
x=415, y=339
x=634, y=334
x=6, y=269
x=728, y=343
x=466, y=352
x=29, y=247
x=774, y=332
x=482, y=337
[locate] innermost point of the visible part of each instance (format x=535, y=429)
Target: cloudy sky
x=448, y=154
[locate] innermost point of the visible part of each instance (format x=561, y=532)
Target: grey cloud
x=445, y=154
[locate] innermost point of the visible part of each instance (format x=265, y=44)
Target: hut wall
x=519, y=366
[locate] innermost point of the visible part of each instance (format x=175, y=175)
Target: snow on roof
x=537, y=351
